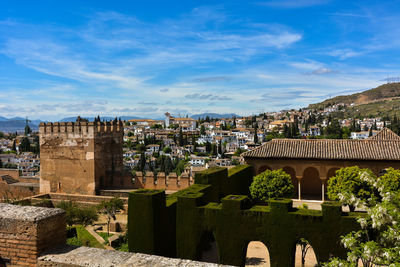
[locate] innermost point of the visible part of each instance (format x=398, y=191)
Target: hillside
x=214, y=116
x=378, y=96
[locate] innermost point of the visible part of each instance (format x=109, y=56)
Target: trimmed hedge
x=182, y=223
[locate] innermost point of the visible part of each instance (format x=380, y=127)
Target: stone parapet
x=26, y=232
x=80, y=127
x=84, y=256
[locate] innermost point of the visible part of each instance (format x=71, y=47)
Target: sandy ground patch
x=257, y=255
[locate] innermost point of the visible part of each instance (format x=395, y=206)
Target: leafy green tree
x=202, y=130
x=333, y=130
x=168, y=165
x=25, y=145
x=180, y=167
x=348, y=181
x=271, y=184
x=28, y=129
x=78, y=215
x=214, y=150
x=255, y=133
x=390, y=181
x=239, y=151
x=378, y=241
x=110, y=209
x=181, y=137
x=208, y=147
x=142, y=162
x=167, y=150
x=86, y=215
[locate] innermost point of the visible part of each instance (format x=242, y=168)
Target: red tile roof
x=383, y=146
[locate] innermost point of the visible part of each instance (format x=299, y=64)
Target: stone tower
x=80, y=157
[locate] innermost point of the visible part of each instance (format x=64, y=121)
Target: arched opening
x=292, y=173
x=263, y=169
x=331, y=172
x=305, y=255
x=257, y=254
x=311, y=184
x=208, y=248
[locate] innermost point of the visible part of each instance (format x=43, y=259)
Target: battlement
x=81, y=127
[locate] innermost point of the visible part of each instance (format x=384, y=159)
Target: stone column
x=299, y=187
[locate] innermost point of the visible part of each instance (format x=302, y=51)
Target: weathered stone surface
x=83, y=256
x=27, y=213
x=26, y=231
x=81, y=158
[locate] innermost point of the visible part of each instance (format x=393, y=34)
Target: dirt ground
x=257, y=255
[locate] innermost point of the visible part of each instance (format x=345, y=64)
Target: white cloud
x=345, y=53
x=294, y=3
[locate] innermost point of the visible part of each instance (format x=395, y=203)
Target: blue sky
x=143, y=58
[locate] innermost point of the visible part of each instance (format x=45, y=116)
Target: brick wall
x=26, y=232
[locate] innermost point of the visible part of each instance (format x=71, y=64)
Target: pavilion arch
x=263, y=168
x=257, y=253
x=292, y=173
x=311, y=184
x=332, y=172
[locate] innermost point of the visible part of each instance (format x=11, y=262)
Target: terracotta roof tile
x=385, y=147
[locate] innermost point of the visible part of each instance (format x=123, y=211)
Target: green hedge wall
x=178, y=224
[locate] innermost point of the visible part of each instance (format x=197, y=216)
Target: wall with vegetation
x=179, y=225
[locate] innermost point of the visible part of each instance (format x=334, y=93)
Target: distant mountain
x=124, y=118
x=214, y=115
x=16, y=126
x=381, y=101
x=3, y=119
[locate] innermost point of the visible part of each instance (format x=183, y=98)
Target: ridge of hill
x=382, y=93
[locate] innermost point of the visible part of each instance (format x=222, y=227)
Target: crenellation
x=80, y=127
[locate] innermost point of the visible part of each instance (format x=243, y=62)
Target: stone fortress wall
x=34, y=236
x=82, y=157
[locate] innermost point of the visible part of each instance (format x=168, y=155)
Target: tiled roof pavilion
x=383, y=146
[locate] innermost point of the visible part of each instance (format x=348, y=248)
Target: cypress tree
x=255, y=133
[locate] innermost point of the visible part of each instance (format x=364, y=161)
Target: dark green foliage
x=271, y=184
x=348, y=181
x=214, y=176
x=110, y=208
x=390, y=181
x=27, y=129
x=239, y=180
x=255, y=133
x=25, y=145
x=167, y=150
x=75, y=214
x=184, y=223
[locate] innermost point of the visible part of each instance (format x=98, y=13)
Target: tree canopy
x=271, y=184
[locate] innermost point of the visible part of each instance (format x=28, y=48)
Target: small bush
x=271, y=184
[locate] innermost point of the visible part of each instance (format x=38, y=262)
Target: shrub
x=348, y=181
x=271, y=184
x=78, y=215
x=390, y=181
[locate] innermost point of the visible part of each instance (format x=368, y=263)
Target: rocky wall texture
x=27, y=231
x=81, y=158
x=83, y=256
